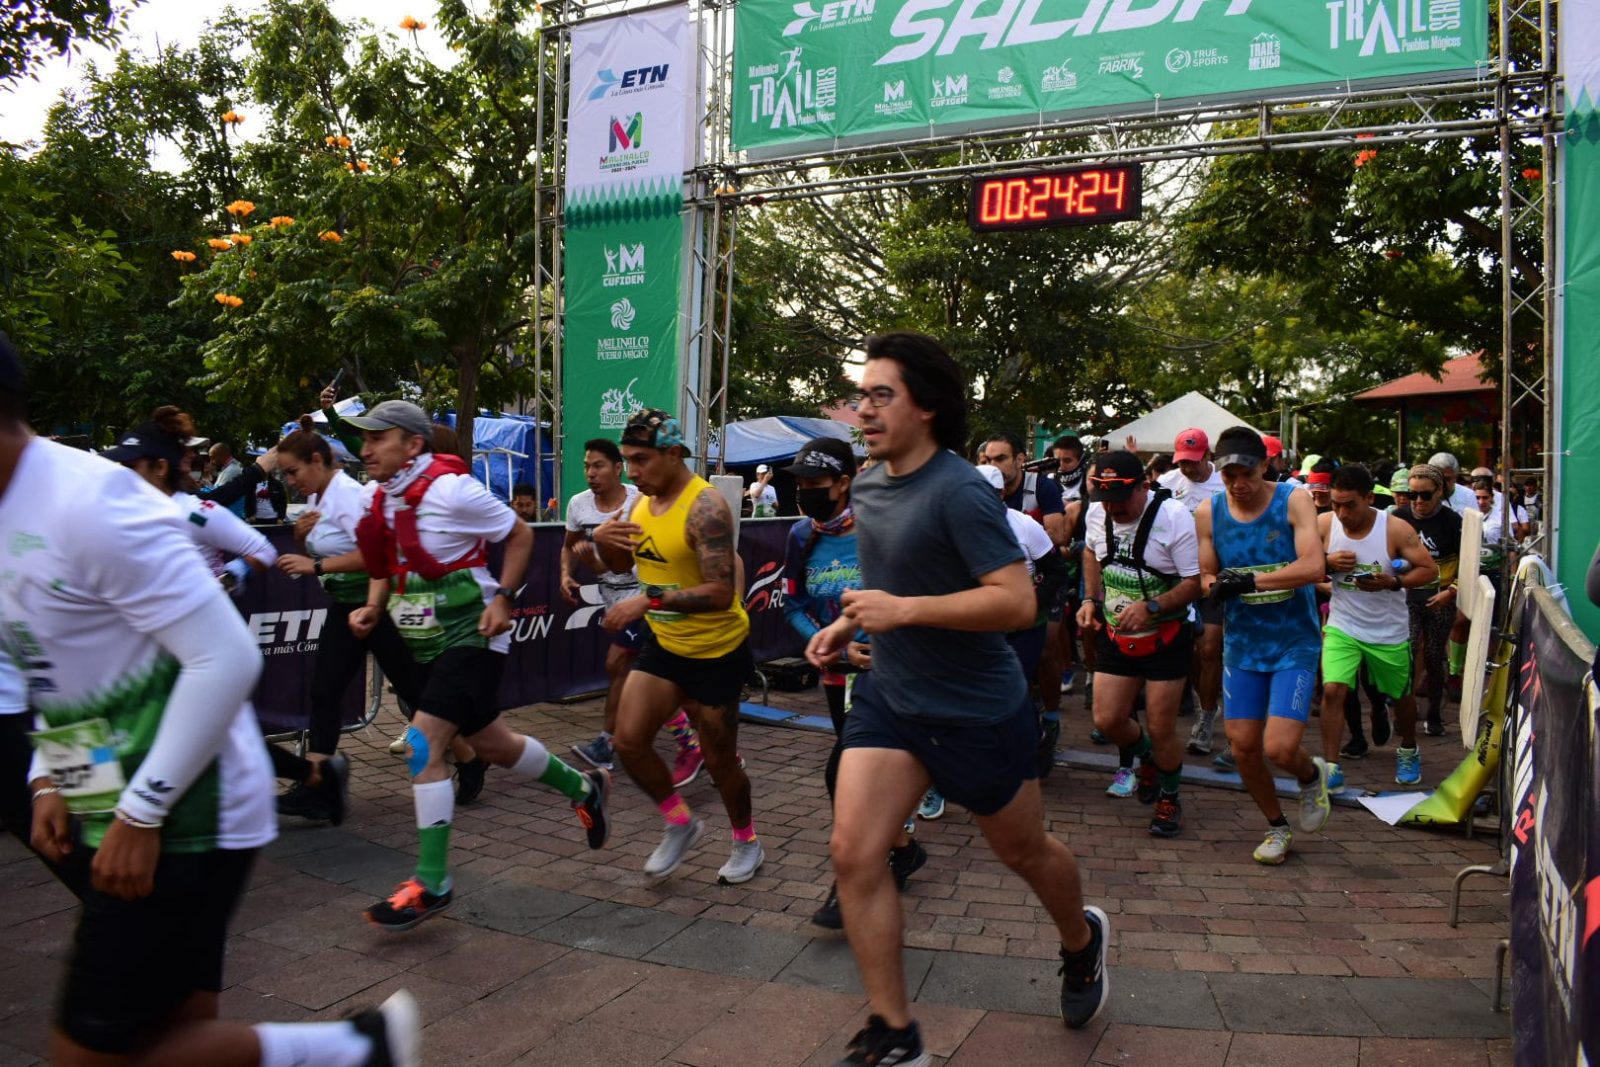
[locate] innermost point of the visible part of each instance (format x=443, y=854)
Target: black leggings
x=835, y=695
x=1430, y=637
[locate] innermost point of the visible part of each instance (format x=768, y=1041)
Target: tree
x=31, y=31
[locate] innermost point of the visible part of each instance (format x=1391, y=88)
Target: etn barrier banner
x=1555, y=846
x=814, y=73
x=629, y=134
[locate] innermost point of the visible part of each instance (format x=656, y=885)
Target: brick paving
x=555, y=954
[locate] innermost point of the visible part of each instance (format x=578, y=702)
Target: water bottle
x=1400, y=566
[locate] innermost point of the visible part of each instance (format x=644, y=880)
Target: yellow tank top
x=666, y=560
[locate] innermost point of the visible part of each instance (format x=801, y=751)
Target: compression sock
x=1280, y=823
x=1456, y=652
x=537, y=763
x=436, y=805
x=682, y=731
x=337, y=1044
x=1170, y=780
x=1051, y=715
x=745, y=833
x=674, y=810
x=1138, y=750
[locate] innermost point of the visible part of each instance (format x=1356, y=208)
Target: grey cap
x=1445, y=462
x=394, y=414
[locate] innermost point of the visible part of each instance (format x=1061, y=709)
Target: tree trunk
x=469, y=363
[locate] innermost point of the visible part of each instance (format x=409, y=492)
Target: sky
x=24, y=104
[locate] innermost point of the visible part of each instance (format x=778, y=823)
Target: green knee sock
x=1456, y=652
x=1141, y=748
x=435, y=804
x=564, y=780
x=1170, y=780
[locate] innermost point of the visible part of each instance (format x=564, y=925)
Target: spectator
x=763, y=497
x=525, y=502
x=227, y=469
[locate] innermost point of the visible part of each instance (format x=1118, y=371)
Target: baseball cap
x=1192, y=444
x=394, y=415
x=992, y=475
x=1274, y=446
x=762, y=468
x=1401, y=482
x=1320, y=479
x=1118, y=474
x=1308, y=462
x=653, y=428
x=1239, y=446
x=146, y=441
x=823, y=457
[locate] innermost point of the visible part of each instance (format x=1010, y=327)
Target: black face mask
x=816, y=504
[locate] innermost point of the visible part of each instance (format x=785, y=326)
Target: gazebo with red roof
x=1458, y=396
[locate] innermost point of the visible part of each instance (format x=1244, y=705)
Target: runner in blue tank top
x=1260, y=553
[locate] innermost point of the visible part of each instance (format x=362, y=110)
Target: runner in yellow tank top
x=696, y=652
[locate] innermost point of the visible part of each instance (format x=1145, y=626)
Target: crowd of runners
x=948, y=604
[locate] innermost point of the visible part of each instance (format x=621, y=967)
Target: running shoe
x=1335, y=776
x=1434, y=727
x=1050, y=737
x=686, y=766
x=1099, y=738
x=469, y=780
x=336, y=787
x=305, y=802
x=1200, y=733
x=743, y=863
x=395, y=1030
x=592, y=808
x=1122, y=784
x=1224, y=761
x=400, y=744
x=1314, y=805
x=407, y=906
x=1407, y=766
x=932, y=805
x=675, y=845
x=1355, y=748
x=1148, y=787
x=1168, y=818
x=829, y=917
x=1381, y=729
x=904, y=862
x=1084, y=983
x=1274, y=848
x=597, y=753
x=879, y=1045
x=1069, y=678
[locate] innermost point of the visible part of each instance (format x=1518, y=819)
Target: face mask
x=816, y=504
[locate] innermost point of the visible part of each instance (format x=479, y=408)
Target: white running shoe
x=1314, y=804
x=1200, y=733
x=1274, y=849
x=675, y=845
x=742, y=865
x=399, y=745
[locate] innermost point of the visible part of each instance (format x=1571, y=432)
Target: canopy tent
x=505, y=448
x=1157, y=431
x=775, y=438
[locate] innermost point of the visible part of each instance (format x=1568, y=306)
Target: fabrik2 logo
x=627, y=132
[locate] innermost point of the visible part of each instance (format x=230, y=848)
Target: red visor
x=1319, y=478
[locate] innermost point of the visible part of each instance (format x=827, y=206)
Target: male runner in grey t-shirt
x=945, y=703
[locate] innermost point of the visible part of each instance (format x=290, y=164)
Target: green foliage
x=31, y=31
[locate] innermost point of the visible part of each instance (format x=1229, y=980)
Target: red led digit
x=1040, y=198
x=1091, y=189
x=992, y=203
x=1066, y=191
x=1116, y=185
x=1016, y=199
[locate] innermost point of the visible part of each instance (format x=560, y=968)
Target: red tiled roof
x=1460, y=375
x=842, y=412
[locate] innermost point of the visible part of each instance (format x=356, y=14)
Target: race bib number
x=83, y=764
x=415, y=614
x=1265, y=596
x=1348, y=579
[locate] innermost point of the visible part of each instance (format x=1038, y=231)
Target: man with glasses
x=1433, y=605
x=1260, y=554
x=945, y=703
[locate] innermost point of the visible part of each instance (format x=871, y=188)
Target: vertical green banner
x=622, y=336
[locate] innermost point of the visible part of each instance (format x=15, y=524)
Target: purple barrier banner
x=1555, y=845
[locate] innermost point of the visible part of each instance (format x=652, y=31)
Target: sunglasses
x=1424, y=494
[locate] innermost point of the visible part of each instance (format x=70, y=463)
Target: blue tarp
x=776, y=438
x=519, y=433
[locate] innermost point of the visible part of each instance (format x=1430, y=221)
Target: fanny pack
x=1166, y=633
x=1137, y=646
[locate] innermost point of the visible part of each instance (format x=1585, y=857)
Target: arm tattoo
x=710, y=530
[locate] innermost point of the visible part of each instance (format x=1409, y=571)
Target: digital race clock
x=1065, y=196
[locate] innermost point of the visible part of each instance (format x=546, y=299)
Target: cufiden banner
x=628, y=138
x=818, y=73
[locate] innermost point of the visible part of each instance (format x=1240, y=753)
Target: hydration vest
x=387, y=553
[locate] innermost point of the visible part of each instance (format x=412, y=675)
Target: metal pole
x=541, y=58
x=558, y=317
x=1508, y=215
x=1547, y=160
x=727, y=336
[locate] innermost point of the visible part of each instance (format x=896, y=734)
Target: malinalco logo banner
x=815, y=73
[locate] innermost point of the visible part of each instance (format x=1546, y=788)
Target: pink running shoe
x=686, y=767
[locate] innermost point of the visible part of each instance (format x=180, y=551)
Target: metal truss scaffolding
x=1512, y=101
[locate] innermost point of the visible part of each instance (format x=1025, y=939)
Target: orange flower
x=1533, y=174
x=363, y=166
x=1366, y=156
x=330, y=140
x=344, y=142
x=221, y=244
x=413, y=25
x=330, y=235
x=1394, y=253
x=240, y=209
x=232, y=118
x=228, y=300
x=394, y=161
x=240, y=238
x=183, y=257
x=281, y=220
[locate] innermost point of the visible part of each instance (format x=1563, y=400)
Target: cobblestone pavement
x=554, y=954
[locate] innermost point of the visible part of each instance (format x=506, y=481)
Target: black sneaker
x=305, y=802
x=1049, y=738
x=1084, y=983
x=592, y=808
x=904, y=862
x=336, y=787
x=1434, y=727
x=880, y=1046
x=829, y=917
x=395, y=1030
x=469, y=780
x=1149, y=786
x=1167, y=821
x=1381, y=729
x=1355, y=748
x=407, y=906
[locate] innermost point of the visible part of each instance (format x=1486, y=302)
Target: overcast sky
x=179, y=22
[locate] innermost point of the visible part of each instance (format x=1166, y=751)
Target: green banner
x=621, y=344
x=1578, y=531
x=815, y=73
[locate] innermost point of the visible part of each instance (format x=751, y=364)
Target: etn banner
x=810, y=74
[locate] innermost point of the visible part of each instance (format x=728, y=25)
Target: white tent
x=1157, y=431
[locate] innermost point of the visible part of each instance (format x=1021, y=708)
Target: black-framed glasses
x=1424, y=495
x=879, y=396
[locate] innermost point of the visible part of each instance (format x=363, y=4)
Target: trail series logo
x=1394, y=25
x=624, y=265
x=626, y=138
x=925, y=28
x=616, y=405
x=829, y=16
x=787, y=94
x=1266, y=52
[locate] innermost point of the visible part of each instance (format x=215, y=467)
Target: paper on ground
x=1392, y=807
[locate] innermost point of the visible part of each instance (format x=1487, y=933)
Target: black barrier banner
x=557, y=650
x=1555, y=847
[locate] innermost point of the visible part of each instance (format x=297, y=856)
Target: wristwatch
x=1153, y=606
x=655, y=593
x=316, y=568
x=507, y=592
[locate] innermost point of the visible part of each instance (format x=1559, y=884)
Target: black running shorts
x=716, y=682
x=979, y=767
x=459, y=686
x=134, y=962
x=1167, y=665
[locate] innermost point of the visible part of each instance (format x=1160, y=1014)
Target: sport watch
x=655, y=593
x=1153, y=606
x=507, y=592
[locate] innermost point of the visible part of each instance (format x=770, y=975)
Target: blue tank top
x=1273, y=630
